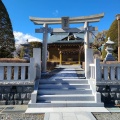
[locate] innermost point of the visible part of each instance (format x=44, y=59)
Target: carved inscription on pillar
x=65, y=22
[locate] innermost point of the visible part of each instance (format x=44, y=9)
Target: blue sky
x=20, y=10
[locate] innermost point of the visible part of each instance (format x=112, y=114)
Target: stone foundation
x=110, y=94
x=15, y=94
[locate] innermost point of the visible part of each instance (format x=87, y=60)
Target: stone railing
x=104, y=72
x=106, y=79
x=11, y=72
x=110, y=71
x=92, y=71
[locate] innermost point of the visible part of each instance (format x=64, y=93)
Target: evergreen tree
x=7, y=43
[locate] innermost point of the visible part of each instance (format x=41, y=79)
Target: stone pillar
x=97, y=70
x=60, y=57
x=86, y=46
x=44, y=48
x=89, y=54
x=118, y=18
x=37, y=58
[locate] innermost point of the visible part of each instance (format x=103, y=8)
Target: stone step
x=64, y=81
x=65, y=77
x=64, y=86
x=56, y=91
x=70, y=97
x=65, y=104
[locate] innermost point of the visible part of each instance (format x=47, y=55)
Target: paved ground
x=69, y=116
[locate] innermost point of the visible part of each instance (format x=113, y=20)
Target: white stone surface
x=16, y=73
x=85, y=116
x=1, y=73
x=23, y=72
x=97, y=70
x=66, y=109
x=69, y=116
x=37, y=58
x=9, y=73
x=88, y=61
x=55, y=116
x=118, y=73
x=34, y=96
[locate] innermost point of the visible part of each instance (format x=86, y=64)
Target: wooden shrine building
x=66, y=48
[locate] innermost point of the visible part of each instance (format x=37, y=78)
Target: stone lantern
x=109, y=49
x=26, y=50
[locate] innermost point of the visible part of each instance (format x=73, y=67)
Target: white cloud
x=21, y=38
x=55, y=13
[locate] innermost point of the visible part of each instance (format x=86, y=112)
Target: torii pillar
x=45, y=30
x=86, y=46
x=118, y=18
x=44, y=48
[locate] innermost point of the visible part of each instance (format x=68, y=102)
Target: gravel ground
x=107, y=116
x=17, y=112
x=21, y=116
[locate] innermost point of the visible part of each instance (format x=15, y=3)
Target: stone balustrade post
x=37, y=58
x=97, y=70
x=105, y=72
x=112, y=73
x=118, y=73
x=88, y=61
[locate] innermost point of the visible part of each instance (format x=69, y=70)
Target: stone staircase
x=61, y=91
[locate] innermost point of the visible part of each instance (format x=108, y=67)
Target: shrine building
x=66, y=48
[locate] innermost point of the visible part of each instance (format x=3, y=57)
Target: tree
x=113, y=34
x=99, y=40
x=7, y=43
x=34, y=45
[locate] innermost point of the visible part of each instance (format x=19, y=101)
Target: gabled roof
x=66, y=38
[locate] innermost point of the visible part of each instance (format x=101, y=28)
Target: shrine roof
x=67, y=38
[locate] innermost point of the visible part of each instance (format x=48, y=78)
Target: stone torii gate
x=65, y=21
